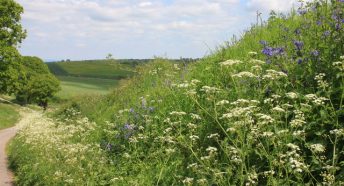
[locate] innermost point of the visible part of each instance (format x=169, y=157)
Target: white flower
x=317, y=148
x=176, y=113
x=230, y=62
x=292, y=95
x=278, y=109
x=223, y=102
x=297, y=123
x=257, y=62
x=244, y=74
x=211, y=150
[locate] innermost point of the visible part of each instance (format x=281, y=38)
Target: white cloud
x=143, y=26
x=267, y=5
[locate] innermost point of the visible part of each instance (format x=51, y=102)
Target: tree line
x=26, y=77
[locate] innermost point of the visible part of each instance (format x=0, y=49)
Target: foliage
x=264, y=110
x=38, y=85
x=11, y=34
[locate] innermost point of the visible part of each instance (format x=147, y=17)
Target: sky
x=91, y=29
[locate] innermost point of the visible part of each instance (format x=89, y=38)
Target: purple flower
x=298, y=44
x=263, y=42
x=327, y=33
x=128, y=126
x=315, y=53
x=298, y=31
x=269, y=51
x=319, y=22
x=302, y=11
x=299, y=61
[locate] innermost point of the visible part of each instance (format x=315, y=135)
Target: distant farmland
x=90, y=77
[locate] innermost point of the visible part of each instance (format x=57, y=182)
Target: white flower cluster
x=315, y=99
x=274, y=75
x=230, y=62
x=317, y=148
x=244, y=75
x=320, y=80
x=177, y=113
x=210, y=90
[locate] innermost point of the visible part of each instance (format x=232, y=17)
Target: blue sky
x=90, y=29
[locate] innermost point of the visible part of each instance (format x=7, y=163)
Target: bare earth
x=6, y=176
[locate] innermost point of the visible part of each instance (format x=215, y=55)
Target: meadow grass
x=8, y=115
x=266, y=109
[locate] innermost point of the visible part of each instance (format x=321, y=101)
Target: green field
x=8, y=115
x=76, y=86
x=96, y=69
x=89, y=77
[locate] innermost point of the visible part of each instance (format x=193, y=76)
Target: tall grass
x=264, y=110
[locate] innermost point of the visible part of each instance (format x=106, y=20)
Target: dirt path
x=27, y=115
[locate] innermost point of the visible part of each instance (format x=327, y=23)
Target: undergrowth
x=264, y=110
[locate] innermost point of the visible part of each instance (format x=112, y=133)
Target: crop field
x=76, y=86
x=89, y=77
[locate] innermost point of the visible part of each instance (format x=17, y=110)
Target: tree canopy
x=11, y=35
x=37, y=84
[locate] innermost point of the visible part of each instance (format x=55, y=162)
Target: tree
x=11, y=35
x=37, y=84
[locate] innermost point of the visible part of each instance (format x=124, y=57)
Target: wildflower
x=257, y=62
x=191, y=126
x=211, y=150
x=337, y=132
x=302, y=11
x=252, y=53
x=195, y=82
x=268, y=101
x=210, y=90
x=297, y=123
x=320, y=80
x=278, y=109
x=299, y=133
x=195, y=116
x=194, y=138
x=231, y=129
x=292, y=95
x=315, y=53
x=268, y=173
x=240, y=102
x=269, y=51
x=230, y=62
x=298, y=44
x=202, y=181
x=317, y=148
x=193, y=165
x=213, y=136
x=176, y=113
x=188, y=180
x=223, y=102
x=263, y=42
x=170, y=151
x=267, y=134
x=183, y=85
x=244, y=74
x=274, y=75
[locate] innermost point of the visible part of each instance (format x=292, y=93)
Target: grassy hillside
x=89, y=77
x=8, y=115
x=95, y=69
x=266, y=109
